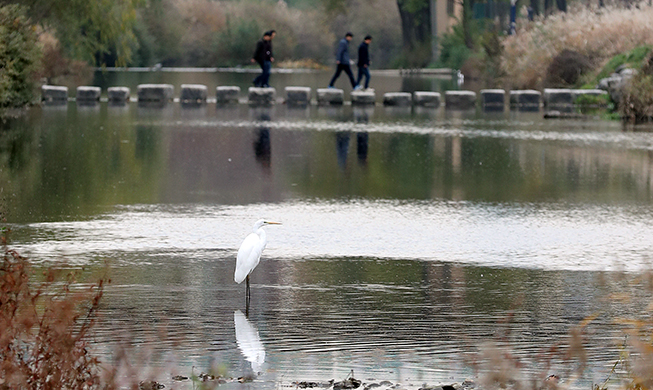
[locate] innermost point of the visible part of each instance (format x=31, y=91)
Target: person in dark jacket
x=263, y=56
x=342, y=60
x=364, y=61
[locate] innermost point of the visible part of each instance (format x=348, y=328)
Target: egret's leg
x=247, y=293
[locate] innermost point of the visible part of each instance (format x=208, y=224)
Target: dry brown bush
x=597, y=34
x=55, y=65
x=44, y=329
x=636, y=104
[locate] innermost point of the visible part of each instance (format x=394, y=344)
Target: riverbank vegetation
x=586, y=37
x=19, y=57
x=45, y=329
x=559, y=45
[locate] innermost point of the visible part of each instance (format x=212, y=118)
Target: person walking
x=342, y=61
x=263, y=56
x=364, y=62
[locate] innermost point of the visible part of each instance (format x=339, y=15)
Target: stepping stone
x=298, y=96
x=558, y=98
x=261, y=96
x=54, y=93
x=227, y=94
x=526, y=100
x=330, y=96
x=427, y=99
x=118, y=95
x=459, y=100
x=367, y=97
x=397, y=99
x=155, y=92
x=493, y=99
x=193, y=93
x=88, y=94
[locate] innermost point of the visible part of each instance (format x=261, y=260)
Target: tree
x=86, y=28
x=416, y=31
x=19, y=56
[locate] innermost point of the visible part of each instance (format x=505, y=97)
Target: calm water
x=409, y=239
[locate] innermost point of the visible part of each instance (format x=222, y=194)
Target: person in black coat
x=263, y=56
x=364, y=62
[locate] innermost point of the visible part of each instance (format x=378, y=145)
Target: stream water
x=409, y=238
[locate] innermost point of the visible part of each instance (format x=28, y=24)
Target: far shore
x=387, y=72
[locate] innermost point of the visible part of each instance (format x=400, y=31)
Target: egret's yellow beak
x=273, y=223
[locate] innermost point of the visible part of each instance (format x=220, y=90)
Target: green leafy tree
x=19, y=56
x=416, y=31
x=87, y=29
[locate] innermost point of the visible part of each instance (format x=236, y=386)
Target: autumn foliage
x=44, y=329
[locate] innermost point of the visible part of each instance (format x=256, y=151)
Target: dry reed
x=598, y=34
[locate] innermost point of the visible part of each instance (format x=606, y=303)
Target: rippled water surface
x=409, y=238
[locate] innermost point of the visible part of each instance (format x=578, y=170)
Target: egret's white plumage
x=249, y=341
x=249, y=253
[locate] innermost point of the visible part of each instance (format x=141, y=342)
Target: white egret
x=249, y=253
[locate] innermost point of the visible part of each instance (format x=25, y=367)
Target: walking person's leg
x=265, y=76
x=258, y=81
x=347, y=70
x=366, y=73
x=361, y=69
x=335, y=75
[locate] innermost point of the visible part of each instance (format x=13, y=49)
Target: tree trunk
x=535, y=5
x=467, y=18
x=416, y=31
x=547, y=7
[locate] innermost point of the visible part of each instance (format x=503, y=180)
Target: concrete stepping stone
x=427, y=99
x=397, y=99
x=330, y=96
x=227, y=94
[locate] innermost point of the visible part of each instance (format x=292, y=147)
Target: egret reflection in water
x=249, y=342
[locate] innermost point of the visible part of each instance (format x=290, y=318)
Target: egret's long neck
x=261, y=234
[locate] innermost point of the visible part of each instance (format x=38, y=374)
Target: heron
x=249, y=253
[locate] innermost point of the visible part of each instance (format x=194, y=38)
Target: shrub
x=45, y=334
x=636, y=104
x=235, y=44
x=54, y=63
x=453, y=50
x=631, y=58
x=19, y=56
x=567, y=68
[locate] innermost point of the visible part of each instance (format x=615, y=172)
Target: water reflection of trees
x=78, y=160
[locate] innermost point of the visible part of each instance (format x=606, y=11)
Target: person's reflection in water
x=262, y=147
x=249, y=342
x=361, y=147
x=342, y=148
x=362, y=115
